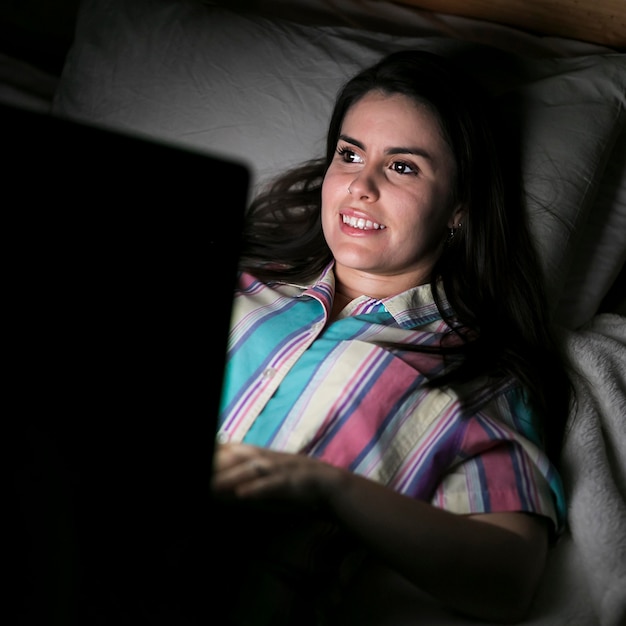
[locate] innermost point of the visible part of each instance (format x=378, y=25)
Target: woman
x=391, y=367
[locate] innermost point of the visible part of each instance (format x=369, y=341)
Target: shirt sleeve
x=500, y=469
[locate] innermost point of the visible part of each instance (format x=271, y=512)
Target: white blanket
x=594, y=464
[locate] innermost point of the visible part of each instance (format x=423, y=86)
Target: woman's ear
x=458, y=216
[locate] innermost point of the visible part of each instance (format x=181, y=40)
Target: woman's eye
x=403, y=168
x=349, y=156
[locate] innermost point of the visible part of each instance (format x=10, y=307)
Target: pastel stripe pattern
x=293, y=382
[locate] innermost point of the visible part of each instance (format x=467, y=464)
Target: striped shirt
x=296, y=383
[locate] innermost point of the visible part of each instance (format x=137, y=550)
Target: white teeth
x=361, y=224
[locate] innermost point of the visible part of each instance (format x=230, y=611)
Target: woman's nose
x=364, y=187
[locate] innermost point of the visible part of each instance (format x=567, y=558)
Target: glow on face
x=386, y=197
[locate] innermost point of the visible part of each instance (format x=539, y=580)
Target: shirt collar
x=413, y=307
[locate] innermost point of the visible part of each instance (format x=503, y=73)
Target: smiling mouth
x=361, y=224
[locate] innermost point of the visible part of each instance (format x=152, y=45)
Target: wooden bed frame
x=595, y=21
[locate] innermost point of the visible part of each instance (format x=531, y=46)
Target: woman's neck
x=339, y=304
x=351, y=284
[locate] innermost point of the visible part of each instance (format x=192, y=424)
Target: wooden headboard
x=596, y=21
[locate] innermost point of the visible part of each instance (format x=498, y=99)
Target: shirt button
x=269, y=372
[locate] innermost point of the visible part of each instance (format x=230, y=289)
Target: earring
x=452, y=232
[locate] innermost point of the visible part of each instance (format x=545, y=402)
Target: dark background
x=38, y=31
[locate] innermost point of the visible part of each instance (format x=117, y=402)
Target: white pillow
x=261, y=91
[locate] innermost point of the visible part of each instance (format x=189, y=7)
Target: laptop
x=120, y=258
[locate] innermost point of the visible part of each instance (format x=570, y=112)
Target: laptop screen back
x=120, y=260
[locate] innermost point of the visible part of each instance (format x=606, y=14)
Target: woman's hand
x=484, y=565
x=246, y=471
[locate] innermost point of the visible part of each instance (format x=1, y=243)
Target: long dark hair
x=489, y=270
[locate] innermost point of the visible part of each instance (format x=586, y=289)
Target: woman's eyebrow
x=353, y=141
x=394, y=150
x=416, y=151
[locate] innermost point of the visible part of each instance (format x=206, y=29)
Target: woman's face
x=387, y=195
